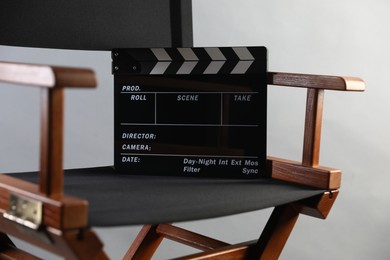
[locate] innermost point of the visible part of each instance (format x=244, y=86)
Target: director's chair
x=56, y=210
x=43, y=215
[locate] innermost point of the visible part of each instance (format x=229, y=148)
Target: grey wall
x=348, y=37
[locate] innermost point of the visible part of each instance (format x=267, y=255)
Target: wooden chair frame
x=65, y=230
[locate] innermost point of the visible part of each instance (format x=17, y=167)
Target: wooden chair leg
x=268, y=247
x=150, y=236
x=145, y=244
x=319, y=206
x=276, y=232
x=189, y=238
x=84, y=245
x=72, y=244
x=240, y=251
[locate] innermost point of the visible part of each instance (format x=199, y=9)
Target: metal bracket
x=24, y=211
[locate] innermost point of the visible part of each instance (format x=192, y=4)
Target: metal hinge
x=25, y=211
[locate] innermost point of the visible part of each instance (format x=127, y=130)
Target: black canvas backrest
x=96, y=24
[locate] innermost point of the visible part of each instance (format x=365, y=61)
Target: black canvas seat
x=113, y=197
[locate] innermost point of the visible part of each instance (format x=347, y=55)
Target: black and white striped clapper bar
x=190, y=111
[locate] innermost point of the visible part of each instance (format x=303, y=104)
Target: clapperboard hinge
x=181, y=61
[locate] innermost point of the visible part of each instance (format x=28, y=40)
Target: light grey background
x=334, y=37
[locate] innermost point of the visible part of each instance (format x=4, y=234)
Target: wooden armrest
x=316, y=81
x=46, y=76
x=295, y=172
x=316, y=85
x=61, y=212
x=51, y=80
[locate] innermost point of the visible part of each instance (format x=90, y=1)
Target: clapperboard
x=190, y=111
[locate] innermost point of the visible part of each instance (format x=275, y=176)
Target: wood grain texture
x=245, y=250
x=270, y=244
x=52, y=112
x=71, y=244
x=316, y=81
x=189, y=238
x=313, y=126
x=64, y=212
x=46, y=76
x=51, y=177
x=276, y=232
x=145, y=244
x=27, y=74
x=84, y=244
x=294, y=172
x=318, y=206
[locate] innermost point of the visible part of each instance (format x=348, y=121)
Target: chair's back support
x=96, y=24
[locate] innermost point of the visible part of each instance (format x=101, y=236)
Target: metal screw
x=134, y=67
x=116, y=54
x=116, y=68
